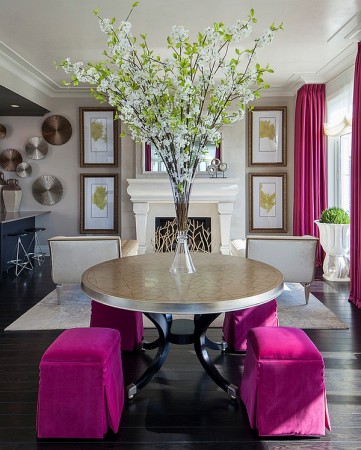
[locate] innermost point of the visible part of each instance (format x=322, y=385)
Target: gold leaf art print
x=99, y=203
x=100, y=197
x=267, y=199
x=267, y=135
x=98, y=130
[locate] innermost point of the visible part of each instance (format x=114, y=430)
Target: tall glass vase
x=182, y=263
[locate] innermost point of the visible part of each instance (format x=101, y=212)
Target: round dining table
x=144, y=283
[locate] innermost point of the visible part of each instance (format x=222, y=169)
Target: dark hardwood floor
x=181, y=408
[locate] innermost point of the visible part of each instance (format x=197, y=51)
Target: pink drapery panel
x=355, y=227
x=310, y=168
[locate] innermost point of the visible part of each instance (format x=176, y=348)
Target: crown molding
x=342, y=62
x=22, y=69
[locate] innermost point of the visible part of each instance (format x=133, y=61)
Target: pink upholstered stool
x=283, y=383
x=81, y=388
x=128, y=323
x=236, y=324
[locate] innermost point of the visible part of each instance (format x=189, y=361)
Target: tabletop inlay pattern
x=144, y=283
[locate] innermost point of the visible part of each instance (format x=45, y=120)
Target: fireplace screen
x=199, y=234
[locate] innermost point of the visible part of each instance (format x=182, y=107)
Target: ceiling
x=318, y=41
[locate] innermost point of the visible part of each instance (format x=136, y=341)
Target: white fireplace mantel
x=221, y=191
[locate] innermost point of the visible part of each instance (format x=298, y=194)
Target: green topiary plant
x=335, y=215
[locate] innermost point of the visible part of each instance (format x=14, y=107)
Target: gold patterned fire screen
x=199, y=234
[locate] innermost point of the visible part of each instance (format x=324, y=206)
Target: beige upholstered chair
x=293, y=256
x=71, y=256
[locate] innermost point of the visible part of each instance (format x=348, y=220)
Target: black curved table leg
x=211, y=344
x=154, y=344
x=200, y=346
x=162, y=322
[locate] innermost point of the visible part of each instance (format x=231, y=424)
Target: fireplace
x=211, y=197
x=199, y=234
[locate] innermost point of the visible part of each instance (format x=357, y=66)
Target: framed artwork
x=98, y=137
x=267, y=203
x=267, y=136
x=99, y=203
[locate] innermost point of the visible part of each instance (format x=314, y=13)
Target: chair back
x=293, y=256
x=71, y=256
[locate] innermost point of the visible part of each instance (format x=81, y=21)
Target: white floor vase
x=335, y=241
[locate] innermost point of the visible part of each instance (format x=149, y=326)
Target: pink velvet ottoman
x=81, y=388
x=236, y=324
x=128, y=323
x=283, y=383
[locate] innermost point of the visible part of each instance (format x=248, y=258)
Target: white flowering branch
x=178, y=103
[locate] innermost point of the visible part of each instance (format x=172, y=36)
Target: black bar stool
x=37, y=254
x=20, y=257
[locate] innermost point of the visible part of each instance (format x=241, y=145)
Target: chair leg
x=37, y=254
x=307, y=291
x=59, y=288
x=26, y=256
x=20, y=264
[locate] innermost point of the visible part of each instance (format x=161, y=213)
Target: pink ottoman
x=81, y=388
x=283, y=383
x=236, y=324
x=128, y=323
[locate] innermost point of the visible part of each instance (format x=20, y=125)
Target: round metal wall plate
x=47, y=190
x=10, y=159
x=36, y=147
x=2, y=131
x=24, y=170
x=56, y=130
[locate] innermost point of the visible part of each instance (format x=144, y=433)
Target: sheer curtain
x=310, y=165
x=355, y=227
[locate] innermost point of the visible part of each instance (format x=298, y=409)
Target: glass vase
x=182, y=262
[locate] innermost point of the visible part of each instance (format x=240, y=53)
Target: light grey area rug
x=74, y=311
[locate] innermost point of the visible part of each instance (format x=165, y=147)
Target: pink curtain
x=148, y=157
x=310, y=165
x=355, y=227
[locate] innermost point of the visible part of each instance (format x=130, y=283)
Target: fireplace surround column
x=141, y=216
x=225, y=211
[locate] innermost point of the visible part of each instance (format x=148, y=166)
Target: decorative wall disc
x=47, y=190
x=215, y=162
x=36, y=147
x=24, y=170
x=10, y=159
x=56, y=130
x=2, y=131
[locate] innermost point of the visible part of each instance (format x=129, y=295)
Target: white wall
x=63, y=162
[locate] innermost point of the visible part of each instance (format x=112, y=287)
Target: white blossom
x=179, y=102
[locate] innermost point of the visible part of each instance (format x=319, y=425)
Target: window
x=343, y=171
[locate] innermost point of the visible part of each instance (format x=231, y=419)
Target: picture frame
x=98, y=203
x=268, y=203
x=267, y=136
x=98, y=137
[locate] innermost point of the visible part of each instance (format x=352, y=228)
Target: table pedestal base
x=183, y=332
